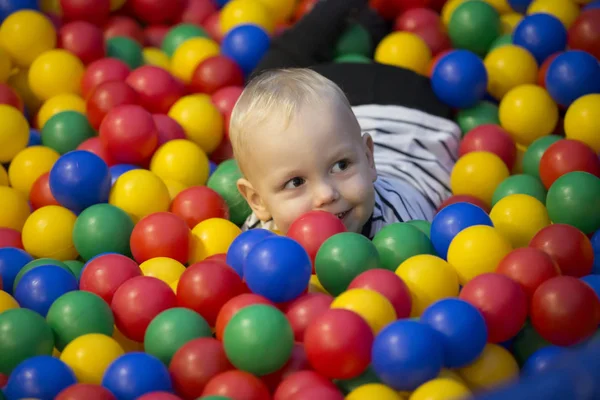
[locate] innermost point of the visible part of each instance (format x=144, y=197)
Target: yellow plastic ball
x=190, y=54
x=90, y=355
x=19, y=81
x=164, y=268
x=478, y=174
x=51, y=7
x=7, y=302
x=372, y=391
x=494, y=367
x=501, y=6
x=126, y=344
x=174, y=187
x=182, y=161
x=246, y=12
x=14, y=132
x=212, y=236
x=315, y=285
x=528, y=112
x=156, y=57
x=405, y=50
x=58, y=104
x=14, y=208
x=565, y=10
x=48, y=233
x=477, y=250
x=448, y=10
x=173, y=285
x=582, y=121
x=372, y=306
x=450, y=374
x=3, y=176
x=440, y=389
x=508, y=67
x=509, y=22
x=29, y=164
x=5, y=65
x=518, y=166
x=200, y=119
x=140, y=192
x=519, y=217
x=25, y=35
x=56, y=72
x=281, y=10
x=429, y=279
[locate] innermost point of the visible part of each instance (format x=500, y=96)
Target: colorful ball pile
x=123, y=270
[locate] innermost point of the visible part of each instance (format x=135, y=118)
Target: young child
x=377, y=152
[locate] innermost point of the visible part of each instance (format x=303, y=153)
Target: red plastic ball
x=313, y=228
x=501, y=301
x=9, y=97
x=390, y=285
x=199, y=203
x=223, y=152
x=158, y=396
x=95, y=145
x=85, y=391
x=206, y=286
x=319, y=392
x=10, y=238
x=3, y=380
x=162, y=234
x=529, y=267
x=221, y=257
x=157, y=89
x=154, y=35
x=130, y=134
x=83, y=39
x=215, y=73
x=569, y=247
x=436, y=39
x=303, y=8
x=584, y=33
x=305, y=309
x=338, y=344
x=40, y=194
x=100, y=71
x=541, y=79
x=168, y=128
x=491, y=138
x=94, y=11
x=388, y=9
x=297, y=362
x=224, y=99
x=299, y=381
x=195, y=364
x=232, y=306
x=212, y=26
x=196, y=11
x=107, y=96
x=120, y=25
x=566, y=156
x=565, y=311
x=238, y=385
x=464, y=198
x=137, y=301
x=434, y=62
x=415, y=18
x=157, y=11
x=104, y=274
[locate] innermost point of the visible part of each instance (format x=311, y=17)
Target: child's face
x=319, y=162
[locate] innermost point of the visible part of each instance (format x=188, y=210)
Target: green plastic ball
x=171, y=329
x=398, y=242
x=78, y=313
x=76, y=267
x=534, y=153
x=483, y=113
x=65, y=131
x=422, y=225
x=501, y=41
x=527, y=342
x=343, y=257
x=520, y=184
x=36, y=263
x=574, y=199
x=258, y=339
x=348, y=385
x=355, y=40
x=474, y=26
x=179, y=34
x=23, y=334
x=102, y=228
x=224, y=181
x=125, y=49
x=353, y=59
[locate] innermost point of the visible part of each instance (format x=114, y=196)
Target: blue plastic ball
x=591, y=6
x=135, y=374
x=35, y=138
x=406, y=354
x=221, y=3
x=80, y=179
x=453, y=219
x=596, y=242
x=119, y=169
x=520, y=6
x=460, y=79
x=8, y=7
x=212, y=167
x=278, y=268
x=41, y=286
x=462, y=328
x=39, y=377
x=540, y=34
x=593, y=281
x=11, y=262
x=246, y=45
x=541, y=360
x=240, y=248
x=571, y=75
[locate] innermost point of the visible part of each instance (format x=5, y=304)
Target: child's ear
x=253, y=199
x=368, y=141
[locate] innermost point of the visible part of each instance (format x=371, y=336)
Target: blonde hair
x=278, y=94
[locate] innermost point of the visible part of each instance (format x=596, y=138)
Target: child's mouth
x=342, y=214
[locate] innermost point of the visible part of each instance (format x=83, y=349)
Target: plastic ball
x=405, y=50
x=104, y=274
x=145, y=374
x=8, y=94
x=181, y=160
x=36, y=263
x=496, y=366
x=373, y=390
x=491, y=138
x=236, y=384
x=232, y=306
x=215, y=73
x=90, y=11
x=156, y=11
x=66, y=130
x=48, y=233
x=168, y=128
x=100, y=71
x=41, y=376
x=57, y=104
x=372, y=306
x=542, y=360
x=83, y=39
x=15, y=208
x=157, y=89
x=178, y=35
x=125, y=49
x=312, y=229
x=567, y=156
x=12, y=260
x=441, y=388
x=212, y=236
x=519, y=217
x=520, y=184
x=482, y=113
x=246, y=45
x=200, y=119
x=5, y=72
x=565, y=11
x=140, y=193
x=534, y=153
x=242, y=245
x=124, y=26
x=299, y=381
x=26, y=34
x=389, y=285
x=508, y=67
x=581, y=122
x=10, y=238
x=527, y=112
x=189, y=54
x=164, y=268
x=541, y=34
x=161, y=234
x=119, y=169
x=478, y=174
x=80, y=391
x=55, y=72
x=354, y=42
x=197, y=204
x=105, y=97
x=584, y=34
x=156, y=57
x=245, y=12
x=99, y=148
x=398, y=242
x=28, y=165
x=573, y=74
x=473, y=26
x=304, y=310
x=89, y=356
x=14, y=133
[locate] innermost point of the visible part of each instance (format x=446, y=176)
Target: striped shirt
x=414, y=155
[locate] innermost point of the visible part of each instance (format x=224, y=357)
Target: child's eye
x=294, y=183
x=340, y=166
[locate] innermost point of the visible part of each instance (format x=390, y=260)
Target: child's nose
x=325, y=193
